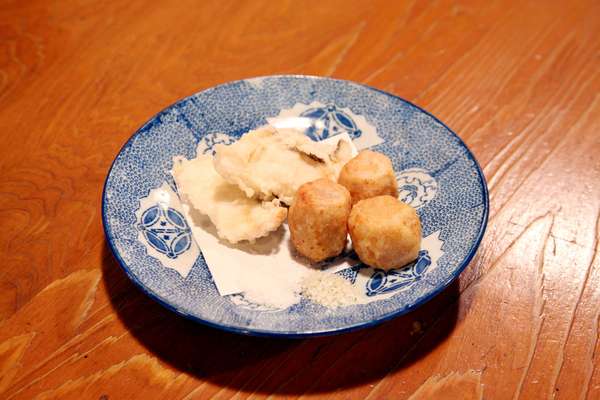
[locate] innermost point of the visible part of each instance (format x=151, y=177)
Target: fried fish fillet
x=236, y=216
x=267, y=163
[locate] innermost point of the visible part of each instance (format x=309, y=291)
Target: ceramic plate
x=436, y=174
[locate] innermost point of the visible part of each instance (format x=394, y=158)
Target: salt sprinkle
x=331, y=290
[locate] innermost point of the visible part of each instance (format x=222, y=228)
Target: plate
x=436, y=172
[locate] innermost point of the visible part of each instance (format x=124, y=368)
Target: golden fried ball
x=318, y=219
x=369, y=174
x=385, y=232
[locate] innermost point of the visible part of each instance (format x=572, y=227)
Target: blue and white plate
x=436, y=172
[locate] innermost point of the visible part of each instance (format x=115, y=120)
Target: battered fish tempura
x=267, y=163
x=242, y=189
x=235, y=216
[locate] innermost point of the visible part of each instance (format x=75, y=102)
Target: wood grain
x=518, y=80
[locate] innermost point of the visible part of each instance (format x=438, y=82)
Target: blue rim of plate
x=304, y=334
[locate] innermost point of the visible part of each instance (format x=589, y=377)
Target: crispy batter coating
x=235, y=216
x=318, y=219
x=268, y=163
x=385, y=232
x=369, y=174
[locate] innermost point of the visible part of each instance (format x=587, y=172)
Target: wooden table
x=518, y=80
